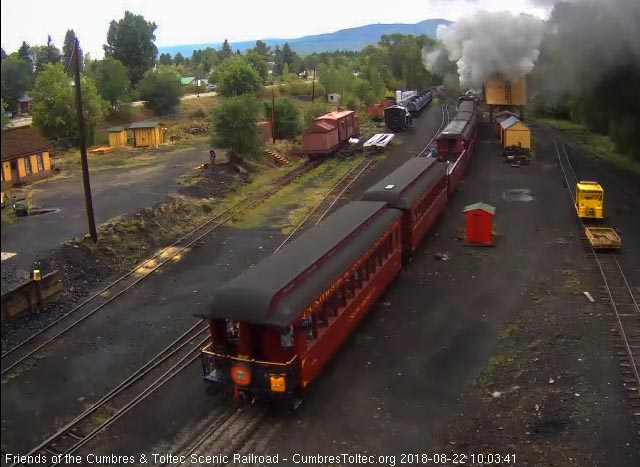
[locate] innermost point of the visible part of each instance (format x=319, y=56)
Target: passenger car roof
x=283, y=285
x=402, y=187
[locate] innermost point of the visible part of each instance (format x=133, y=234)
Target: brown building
x=25, y=156
x=147, y=134
x=117, y=136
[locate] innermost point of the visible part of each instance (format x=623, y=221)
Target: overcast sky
x=189, y=22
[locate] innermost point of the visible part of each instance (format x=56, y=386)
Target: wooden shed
x=147, y=134
x=25, y=156
x=479, y=229
x=117, y=136
x=515, y=133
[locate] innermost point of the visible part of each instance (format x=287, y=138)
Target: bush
x=317, y=108
x=161, y=89
x=287, y=116
x=235, y=126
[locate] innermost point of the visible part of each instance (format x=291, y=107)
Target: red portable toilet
x=479, y=224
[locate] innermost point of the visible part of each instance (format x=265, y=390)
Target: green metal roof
x=187, y=80
x=482, y=206
x=115, y=129
x=135, y=125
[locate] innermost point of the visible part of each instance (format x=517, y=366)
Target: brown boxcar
x=419, y=189
x=275, y=326
x=320, y=138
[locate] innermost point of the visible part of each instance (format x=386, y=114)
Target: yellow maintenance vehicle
x=589, y=200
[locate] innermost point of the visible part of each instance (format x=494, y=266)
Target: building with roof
x=146, y=134
x=25, y=156
x=117, y=136
x=25, y=104
x=515, y=133
x=187, y=80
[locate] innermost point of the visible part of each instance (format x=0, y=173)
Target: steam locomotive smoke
x=588, y=39
x=488, y=43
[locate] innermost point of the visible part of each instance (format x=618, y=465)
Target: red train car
x=456, y=143
x=274, y=327
x=419, y=189
x=376, y=110
x=320, y=137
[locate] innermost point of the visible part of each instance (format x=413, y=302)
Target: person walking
x=212, y=156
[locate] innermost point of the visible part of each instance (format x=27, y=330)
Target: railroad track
x=138, y=386
x=227, y=436
x=234, y=428
x=446, y=118
x=604, y=165
x=28, y=349
x=326, y=204
x=617, y=291
x=125, y=396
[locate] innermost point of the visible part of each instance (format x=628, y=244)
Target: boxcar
x=397, y=118
x=275, y=326
x=419, y=189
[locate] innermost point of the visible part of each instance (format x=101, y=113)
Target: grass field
x=600, y=145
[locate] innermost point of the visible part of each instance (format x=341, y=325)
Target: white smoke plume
x=488, y=43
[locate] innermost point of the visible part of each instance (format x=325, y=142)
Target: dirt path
x=115, y=191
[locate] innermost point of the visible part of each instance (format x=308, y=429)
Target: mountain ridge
x=344, y=39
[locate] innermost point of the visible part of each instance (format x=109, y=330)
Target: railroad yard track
x=233, y=427
x=446, y=118
x=125, y=396
x=603, y=164
x=620, y=295
x=326, y=204
x=29, y=349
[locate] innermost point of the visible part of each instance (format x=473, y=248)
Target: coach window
x=340, y=296
x=233, y=331
x=349, y=286
x=324, y=314
x=331, y=305
x=306, y=326
x=286, y=337
x=316, y=324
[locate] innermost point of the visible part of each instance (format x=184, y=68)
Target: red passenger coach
x=456, y=143
x=419, y=189
x=275, y=326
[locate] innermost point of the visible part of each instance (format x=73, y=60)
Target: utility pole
x=313, y=86
x=83, y=148
x=273, y=115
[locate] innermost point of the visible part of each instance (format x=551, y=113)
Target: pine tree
x=67, y=51
x=24, y=53
x=226, y=50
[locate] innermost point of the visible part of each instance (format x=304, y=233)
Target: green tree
x=259, y=62
x=54, y=109
x=112, y=80
x=161, y=89
x=226, y=51
x=165, y=59
x=67, y=51
x=5, y=119
x=3, y=54
x=235, y=126
x=178, y=59
x=235, y=77
x=46, y=55
x=287, y=117
x=16, y=80
x=131, y=41
x=262, y=48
